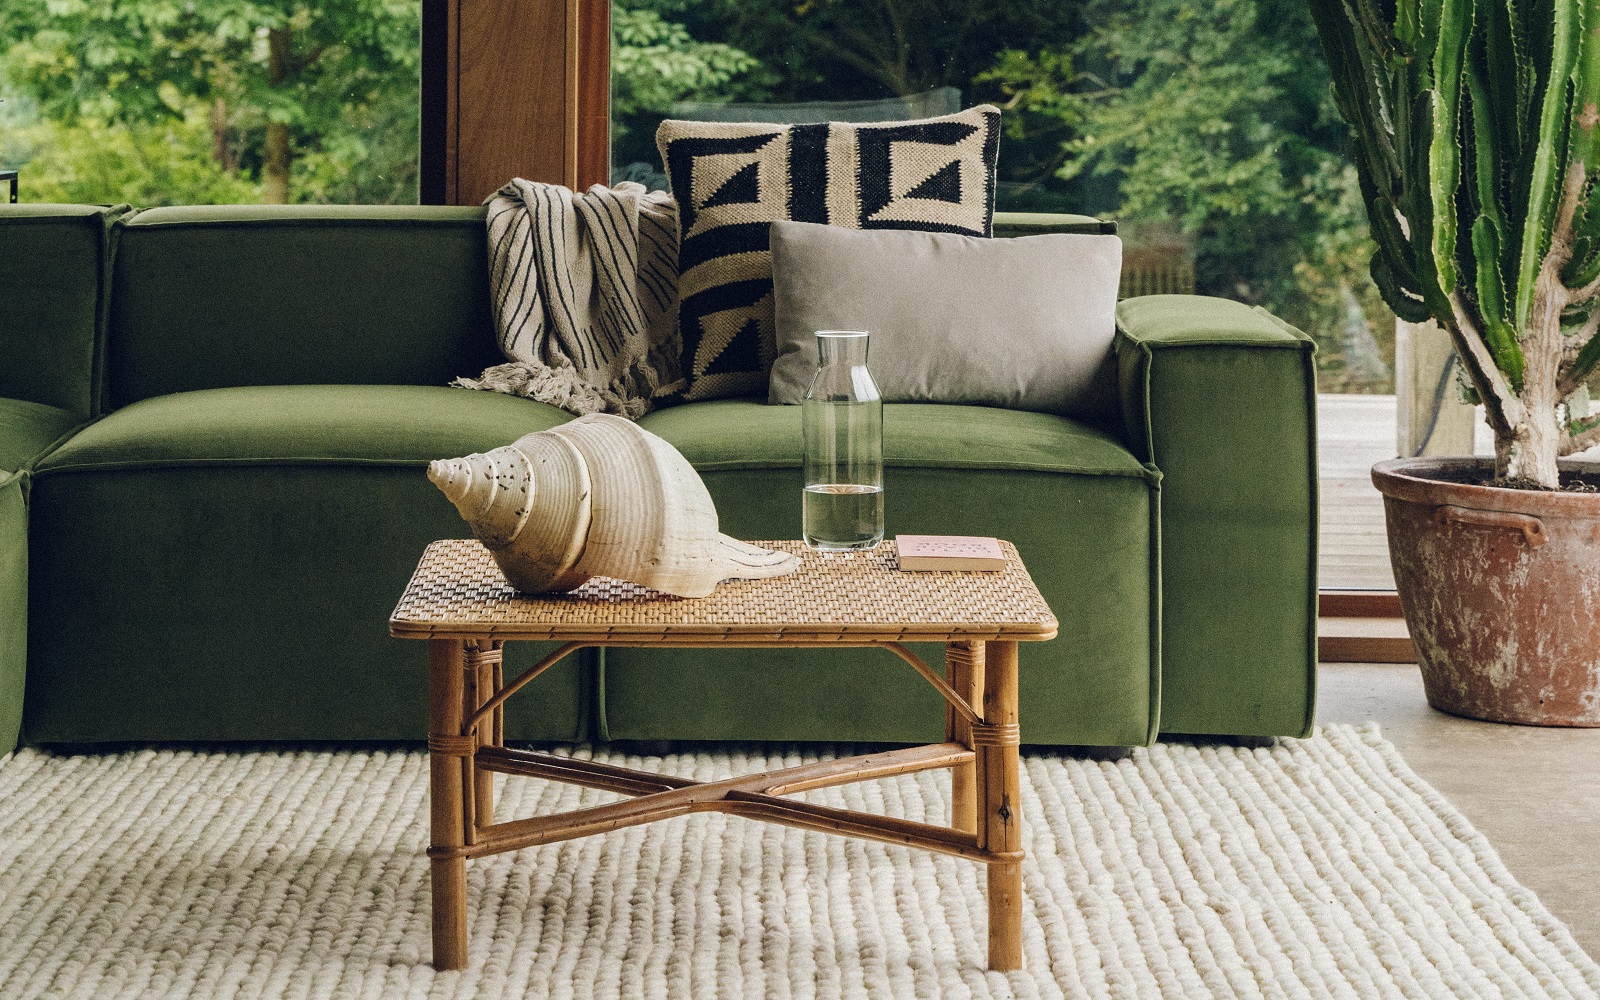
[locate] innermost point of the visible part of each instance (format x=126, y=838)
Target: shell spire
x=451, y=475
x=599, y=496
x=493, y=491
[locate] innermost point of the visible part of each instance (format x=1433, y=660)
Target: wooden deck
x=1353, y=433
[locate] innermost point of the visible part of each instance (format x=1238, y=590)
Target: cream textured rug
x=1319, y=868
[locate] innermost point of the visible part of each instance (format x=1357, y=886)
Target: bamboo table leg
x=996, y=743
x=482, y=670
x=963, y=664
x=449, y=760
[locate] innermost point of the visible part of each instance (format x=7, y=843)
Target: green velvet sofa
x=213, y=428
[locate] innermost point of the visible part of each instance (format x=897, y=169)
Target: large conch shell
x=599, y=496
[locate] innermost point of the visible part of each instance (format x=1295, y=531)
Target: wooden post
x=482, y=667
x=554, y=55
x=447, y=802
x=1431, y=419
x=500, y=710
x=963, y=665
x=996, y=742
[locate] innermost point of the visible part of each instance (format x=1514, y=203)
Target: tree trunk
x=1535, y=441
x=275, y=171
x=1531, y=452
x=219, y=135
x=1528, y=450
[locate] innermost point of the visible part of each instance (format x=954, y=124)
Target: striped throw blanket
x=583, y=288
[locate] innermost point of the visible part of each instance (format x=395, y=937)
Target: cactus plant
x=1476, y=128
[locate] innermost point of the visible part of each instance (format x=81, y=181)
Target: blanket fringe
x=560, y=387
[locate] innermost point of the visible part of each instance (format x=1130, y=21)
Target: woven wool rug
x=1317, y=868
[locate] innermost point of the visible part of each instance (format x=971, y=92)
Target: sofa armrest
x=1221, y=398
x=1041, y=223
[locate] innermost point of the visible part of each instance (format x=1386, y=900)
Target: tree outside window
x=193, y=101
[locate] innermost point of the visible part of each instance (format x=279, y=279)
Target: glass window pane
x=210, y=101
x=1207, y=130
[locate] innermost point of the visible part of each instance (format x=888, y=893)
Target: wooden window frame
x=513, y=88
x=1362, y=626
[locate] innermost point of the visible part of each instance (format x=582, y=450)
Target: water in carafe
x=842, y=415
x=843, y=515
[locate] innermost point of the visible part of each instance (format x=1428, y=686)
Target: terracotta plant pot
x=1501, y=591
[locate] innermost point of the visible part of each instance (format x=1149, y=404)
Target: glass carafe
x=842, y=506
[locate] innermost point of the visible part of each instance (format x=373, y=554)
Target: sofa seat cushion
x=730, y=434
x=27, y=430
x=221, y=564
x=1078, y=506
x=304, y=424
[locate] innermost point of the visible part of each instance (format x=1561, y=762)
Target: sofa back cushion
x=52, y=279
x=211, y=297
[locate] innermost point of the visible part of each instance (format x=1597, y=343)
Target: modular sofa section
x=1075, y=502
x=52, y=312
x=1222, y=399
x=217, y=297
x=221, y=565
x=52, y=309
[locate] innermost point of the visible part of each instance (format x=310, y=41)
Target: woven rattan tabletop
x=843, y=597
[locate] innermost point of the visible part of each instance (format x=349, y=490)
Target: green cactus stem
x=1475, y=126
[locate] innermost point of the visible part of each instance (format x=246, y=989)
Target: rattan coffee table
x=459, y=601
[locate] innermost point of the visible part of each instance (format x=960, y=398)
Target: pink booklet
x=949, y=552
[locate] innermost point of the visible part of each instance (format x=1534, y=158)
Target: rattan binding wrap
x=845, y=597
x=997, y=736
x=452, y=746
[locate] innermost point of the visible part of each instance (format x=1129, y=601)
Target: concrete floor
x=1535, y=793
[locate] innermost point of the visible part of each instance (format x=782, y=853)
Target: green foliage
x=1192, y=105
x=90, y=161
x=1042, y=109
x=336, y=78
x=654, y=63
x=1206, y=114
x=1333, y=297
x=847, y=50
x=829, y=50
x=366, y=153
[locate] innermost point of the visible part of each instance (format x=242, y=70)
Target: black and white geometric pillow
x=732, y=180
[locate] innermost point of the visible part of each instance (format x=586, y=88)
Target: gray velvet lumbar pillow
x=1022, y=323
